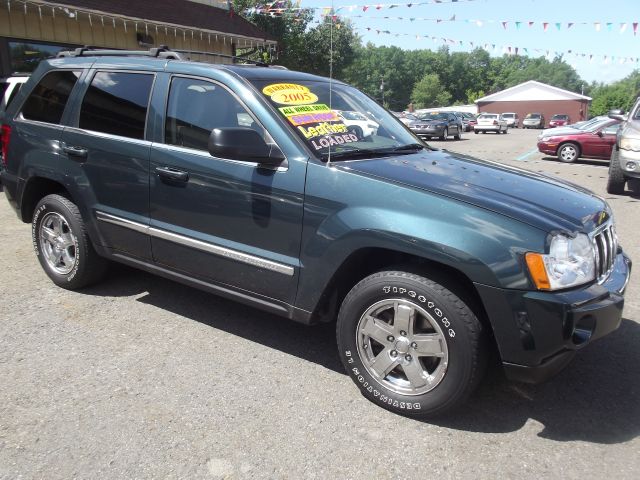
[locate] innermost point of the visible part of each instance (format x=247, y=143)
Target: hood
x=543, y=202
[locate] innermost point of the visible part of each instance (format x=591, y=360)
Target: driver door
x=221, y=220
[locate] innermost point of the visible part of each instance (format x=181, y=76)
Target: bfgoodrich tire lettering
x=411, y=345
x=62, y=245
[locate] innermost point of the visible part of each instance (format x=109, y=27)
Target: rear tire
x=616, y=180
x=411, y=345
x=63, y=246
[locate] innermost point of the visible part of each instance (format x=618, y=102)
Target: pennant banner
x=509, y=49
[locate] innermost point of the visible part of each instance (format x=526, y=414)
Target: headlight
x=545, y=139
x=630, y=144
x=570, y=262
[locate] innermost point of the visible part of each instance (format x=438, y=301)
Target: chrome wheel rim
x=568, y=153
x=402, y=346
x=57, y=243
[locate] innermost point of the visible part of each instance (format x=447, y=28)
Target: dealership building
x=31, y=30
x=537, y=97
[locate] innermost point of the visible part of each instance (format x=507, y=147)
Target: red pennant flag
x=530, y=24
x=545, y=25
x=635, y=28
x=364, y=8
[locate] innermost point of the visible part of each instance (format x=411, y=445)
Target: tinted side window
x=47, y=100
x=196, y=107
x=116, y=103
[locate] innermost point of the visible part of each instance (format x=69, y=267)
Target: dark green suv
x=244, y=181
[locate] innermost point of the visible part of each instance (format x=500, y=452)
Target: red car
x=559, y=120
x=594, y=142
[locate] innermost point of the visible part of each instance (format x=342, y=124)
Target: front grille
x=606, y=246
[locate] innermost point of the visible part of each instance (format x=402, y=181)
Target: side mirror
x=244, y=144
x=617, y=116
x=600, y=134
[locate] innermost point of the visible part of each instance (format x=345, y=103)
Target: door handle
x=172, y=174
x=75, y=151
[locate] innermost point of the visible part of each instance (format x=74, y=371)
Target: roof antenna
x=330, y=72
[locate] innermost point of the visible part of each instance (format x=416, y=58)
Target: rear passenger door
x=109, y=155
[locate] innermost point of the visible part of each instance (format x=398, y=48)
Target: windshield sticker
x=329, y=140
x=289, y=94
x=305, y=114
x=323, y=128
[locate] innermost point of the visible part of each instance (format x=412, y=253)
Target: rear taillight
x=5, y=136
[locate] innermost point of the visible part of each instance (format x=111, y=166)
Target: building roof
x=174, y=12
x=532, y=91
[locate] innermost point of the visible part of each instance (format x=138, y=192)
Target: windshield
x=595, y=124
x=560, y=117
x=338, y=123
x=508, y=115
x=533, y=115
x=433, y=116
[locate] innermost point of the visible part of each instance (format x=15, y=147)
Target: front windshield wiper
x=372, y=152
x=409, y=146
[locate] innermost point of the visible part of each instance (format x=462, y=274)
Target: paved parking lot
x=140, y=377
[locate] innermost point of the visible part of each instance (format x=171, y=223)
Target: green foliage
x=619, y=94
x=429, y=92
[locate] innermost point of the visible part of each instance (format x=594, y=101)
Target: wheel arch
x=366, y=261
x=35, y=189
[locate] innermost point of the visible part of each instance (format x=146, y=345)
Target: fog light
x=631, y=165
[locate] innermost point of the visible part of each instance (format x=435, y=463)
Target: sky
x=480, y=22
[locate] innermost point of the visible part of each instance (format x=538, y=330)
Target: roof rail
x=158, y=52
x=222, y=55
x=90, y=51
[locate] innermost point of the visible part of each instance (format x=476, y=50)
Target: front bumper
x=538, y=333
x=531, y=125
x=547, y=148
x=626, y=157
x=427, y=133
x=487, y=128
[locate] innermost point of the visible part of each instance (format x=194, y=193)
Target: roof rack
x=157, y=52
x=222, y=55
x=89, y=51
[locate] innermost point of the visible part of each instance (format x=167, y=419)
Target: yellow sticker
x=269, y=90
x=294, y=97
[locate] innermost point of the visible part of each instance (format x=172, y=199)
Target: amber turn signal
x=537, y=271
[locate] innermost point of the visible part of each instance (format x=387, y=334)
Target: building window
x=25, y=56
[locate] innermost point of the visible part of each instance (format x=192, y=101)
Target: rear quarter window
x=47, y=101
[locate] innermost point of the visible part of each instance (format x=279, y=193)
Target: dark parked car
x=559, y=120
x=243, y=181
x=533, y=120
x=437, y=125
x=625, y=156
x=595, y=142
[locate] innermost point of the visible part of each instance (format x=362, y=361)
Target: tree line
x=424, y=78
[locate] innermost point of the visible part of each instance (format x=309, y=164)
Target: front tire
x=445, y=134
x=411, y=345
x=616, y=180
x=568, y=153
x=63, y=246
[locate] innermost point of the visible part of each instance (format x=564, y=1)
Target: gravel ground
x=141, y=377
